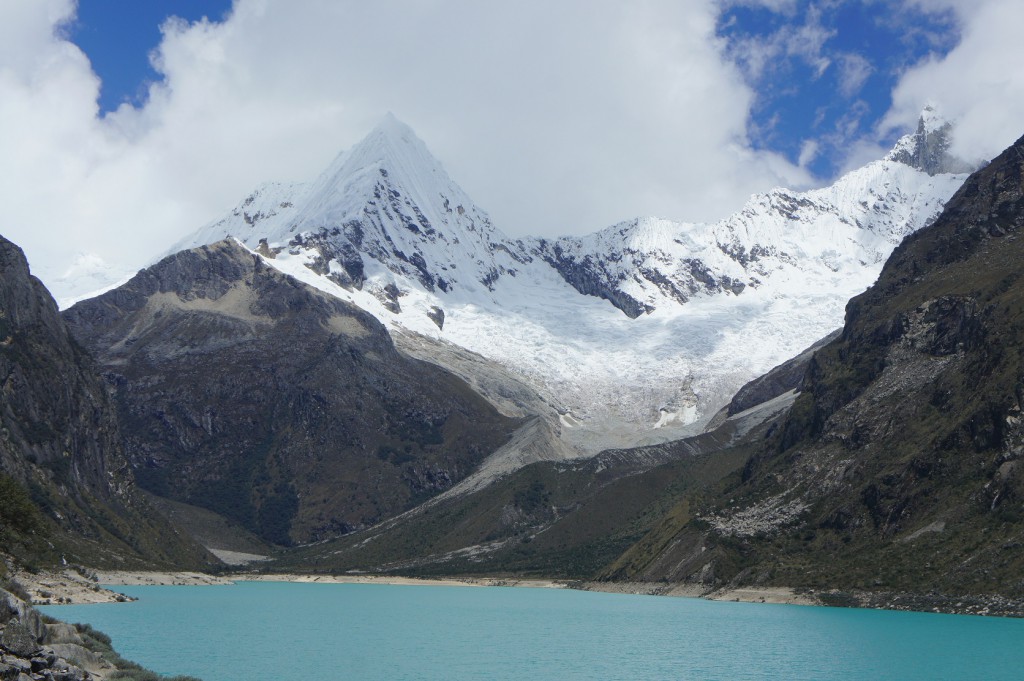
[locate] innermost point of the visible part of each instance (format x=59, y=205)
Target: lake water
x=286, y=632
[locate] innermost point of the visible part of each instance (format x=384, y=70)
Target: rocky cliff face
x=53, y=408
x=899, y=466
x=245, y=392
x=59, y=439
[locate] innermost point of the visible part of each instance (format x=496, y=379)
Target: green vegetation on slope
x=565, y=520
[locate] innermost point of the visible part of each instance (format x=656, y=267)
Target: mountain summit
x=386, y=201
x=927, y=149
x=637, y=333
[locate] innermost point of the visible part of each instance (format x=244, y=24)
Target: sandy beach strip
x=100, y=587
x=157, y=578
x=403, y=581
x=764, y=594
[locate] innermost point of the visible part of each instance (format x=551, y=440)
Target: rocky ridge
x=647, y=263
x=897, y=469
x=245, y=392
x=63, y=471
x=927, y=148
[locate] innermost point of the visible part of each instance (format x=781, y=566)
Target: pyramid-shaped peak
x=390, y=125
x=402, y=198
x=390, y=149
x=927, y=148
x=388, y=138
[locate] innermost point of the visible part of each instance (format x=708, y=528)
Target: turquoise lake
x=286, y=632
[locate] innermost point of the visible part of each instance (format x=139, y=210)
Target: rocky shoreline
x=992, y=605
x=980, y=604
x=36, y=648
x=69, y=587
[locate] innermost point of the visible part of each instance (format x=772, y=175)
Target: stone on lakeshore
x=19, y=639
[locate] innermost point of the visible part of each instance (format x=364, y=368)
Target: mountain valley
x=635, y=335
x=363, y=374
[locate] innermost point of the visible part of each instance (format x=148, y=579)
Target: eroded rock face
x=18, y=639
x=59, y=435
x=243, y=391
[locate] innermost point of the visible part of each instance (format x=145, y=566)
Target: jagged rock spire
x=927, y=149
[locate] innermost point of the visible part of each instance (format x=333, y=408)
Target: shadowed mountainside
x=248, y=393
x=66, y=487
x=899, y=466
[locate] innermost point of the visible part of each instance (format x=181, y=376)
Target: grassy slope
x=564, y=520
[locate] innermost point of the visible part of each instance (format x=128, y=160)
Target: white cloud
x=778, y=6
x=808, y=152
x=556, y=117
x=758, y=54
x=979, y=84
x=854, y=71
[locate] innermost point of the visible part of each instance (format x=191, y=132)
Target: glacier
x=634, y=335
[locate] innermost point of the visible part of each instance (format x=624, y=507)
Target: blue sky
x=120, y=137
x=822, y=72
x=118, y=35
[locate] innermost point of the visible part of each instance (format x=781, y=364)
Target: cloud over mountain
x=555, y=119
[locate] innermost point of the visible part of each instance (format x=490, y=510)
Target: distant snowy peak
x=387, y=207
x=269, y=209
x=781, y=238
x=386, y=200
x=394, y=202
x=841, y=232
x=88, y=276
x=927, y=149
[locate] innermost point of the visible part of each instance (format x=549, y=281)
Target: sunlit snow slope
x=637, y=333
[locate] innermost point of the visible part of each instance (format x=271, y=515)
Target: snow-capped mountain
x=386, y=200
x=813, y=239
x=89, y=276
x=635, y=334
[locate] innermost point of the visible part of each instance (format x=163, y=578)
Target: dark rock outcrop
x=23, y=650
x=248, y=393
x=31, y=650
x=787, y=376
x=53, y=412
x=589, y=276
x=929, y=148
